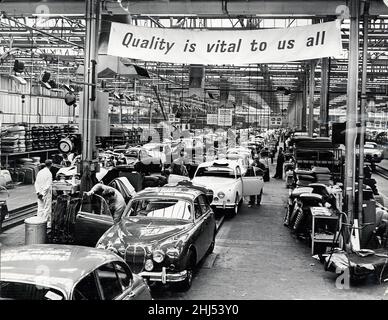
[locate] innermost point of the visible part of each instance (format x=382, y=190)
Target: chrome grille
x=135, y=257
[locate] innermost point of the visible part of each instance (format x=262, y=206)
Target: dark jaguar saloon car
x=164, y=233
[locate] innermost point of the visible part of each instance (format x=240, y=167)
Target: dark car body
x=63, y=272
x=137, y=238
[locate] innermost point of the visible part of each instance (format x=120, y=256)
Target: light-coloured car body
x=226, y=180
x=373, y=152
x=61, y=272
x=147, y=157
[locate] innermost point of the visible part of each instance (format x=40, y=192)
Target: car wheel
x=258, y=200
x=190, y=265
x=212, y=244
x=234, y=211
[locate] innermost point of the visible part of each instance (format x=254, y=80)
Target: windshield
x=221, y=172
x=160, y=208
x=370, y=146
x=27, y=291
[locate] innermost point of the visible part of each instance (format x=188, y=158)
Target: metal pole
x=323, y=119
x=362, y=114
x=304, y=100
x=92, y=25
x=351, y=110
x=311, y=97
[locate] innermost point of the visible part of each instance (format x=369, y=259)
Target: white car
x=242, y=155
x=229, y=185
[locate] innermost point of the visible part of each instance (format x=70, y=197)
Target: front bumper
x=163, y=276
x=374, y=159
x=222, y=204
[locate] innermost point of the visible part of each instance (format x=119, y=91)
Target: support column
x=304, y=101
x=363, y=114
x=324, y=108
x=311, y=97
x=351, y=110
x=90, y=80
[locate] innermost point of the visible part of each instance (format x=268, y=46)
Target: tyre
x=190, y=265
x=212, y=244
x=233, y=212
x=258, y=197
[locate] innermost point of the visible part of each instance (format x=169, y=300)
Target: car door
x=252, y=184
x=209, y=223
x=92, y=222
x=200, y=237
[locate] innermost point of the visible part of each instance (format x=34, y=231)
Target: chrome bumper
x=223, y=205
x=163, y=276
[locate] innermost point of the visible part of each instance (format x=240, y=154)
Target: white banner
x=225, y=47
x=225, y=117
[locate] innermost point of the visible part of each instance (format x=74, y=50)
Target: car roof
x=51, y=265
x=184, y=192
x=231, y=163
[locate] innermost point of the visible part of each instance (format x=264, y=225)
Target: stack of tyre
x=14, y=140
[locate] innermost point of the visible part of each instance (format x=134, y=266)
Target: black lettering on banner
x=263, y=46
x=192, y=47
x=127, y=39
x=319, y=39
x=282, y=44
x=290, y=44
x=254, y=45
x=186, y=45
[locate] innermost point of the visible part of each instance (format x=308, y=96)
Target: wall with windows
x=39, y=105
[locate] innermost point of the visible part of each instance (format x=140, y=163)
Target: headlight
x=221, y=195
x=172, y=253
x=149, y=265
x=158, y=256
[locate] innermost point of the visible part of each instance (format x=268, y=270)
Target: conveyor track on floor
x=17, y=216
x=382, y=172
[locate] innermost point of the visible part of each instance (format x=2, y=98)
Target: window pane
x=197, y=209
x=110, y=284
x=123, y=276
x=26, y=291
x=86, y=289
x=203, y=204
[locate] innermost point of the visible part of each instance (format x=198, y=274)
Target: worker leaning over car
x=113, y=197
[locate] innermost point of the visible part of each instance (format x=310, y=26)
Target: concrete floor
x=257, y=258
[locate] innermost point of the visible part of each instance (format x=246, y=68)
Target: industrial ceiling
x=50, y=37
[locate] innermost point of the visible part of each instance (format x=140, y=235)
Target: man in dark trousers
x=279, y=165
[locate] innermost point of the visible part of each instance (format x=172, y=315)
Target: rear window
x=221, y=172
x=27, y=291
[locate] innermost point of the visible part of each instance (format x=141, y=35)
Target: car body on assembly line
x=373, y=153
x=228, y=183
x=63, y=272
x=164, y=233
x=152, y=158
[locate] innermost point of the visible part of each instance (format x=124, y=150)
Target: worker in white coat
x=43, y=188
